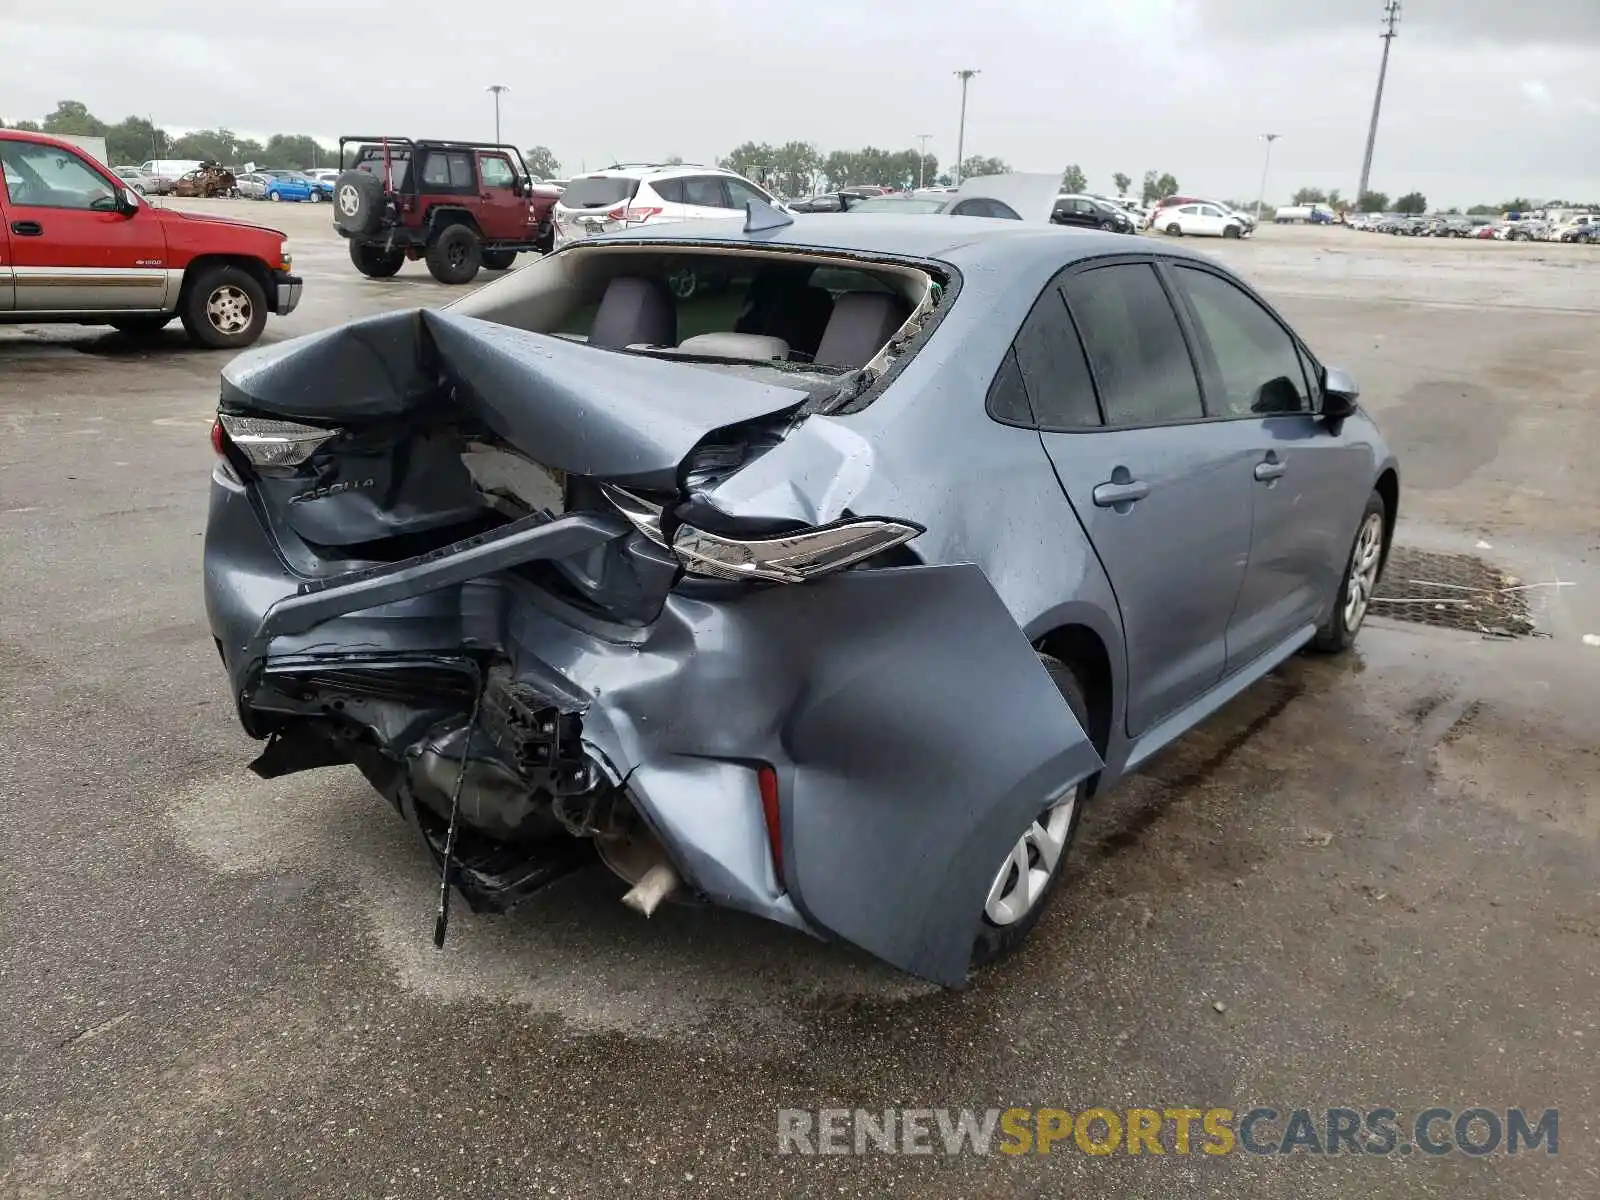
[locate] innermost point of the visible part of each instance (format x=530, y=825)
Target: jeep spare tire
x=358, y=202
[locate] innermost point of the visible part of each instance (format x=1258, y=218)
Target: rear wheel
x=1354, y=597
x=375, y=262
x=1174, y=230
x=223, y=308
x=273, y=196
x=1033, y=868
x=455, y=255
x=498, y=260
x=315, y=197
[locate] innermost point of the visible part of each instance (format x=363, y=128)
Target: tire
x=1347, y=613
x=498, y=260
x=315, y=197
x=996, y=940
x=223, y=308
x=1230, y=232
x=455, y=255
x=141, y=326
x=358, y=202
x=1174, y=230
x=274, y=197
x=375, y=262
x=139, y=187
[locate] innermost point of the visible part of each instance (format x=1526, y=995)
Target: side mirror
x=130, y=202
x=1339, y=394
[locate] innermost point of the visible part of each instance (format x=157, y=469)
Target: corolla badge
x=333, y=489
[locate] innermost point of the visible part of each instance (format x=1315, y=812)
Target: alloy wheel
x=1364, y=561
x=229, y=310
x=1025, y=874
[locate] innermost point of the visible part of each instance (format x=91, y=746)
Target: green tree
x=977, y=165
x=73, y=117
x=295, y=151
x=132, y=140
x=1373, y=202
x=23, y=126
x=542, y=162
x=749, y=159
x=1412, y=204
x=1309, y=195
x=1123, y=183
x=1337, y=202
x=794, y=168
x=1073, y=179
x=1157, y=187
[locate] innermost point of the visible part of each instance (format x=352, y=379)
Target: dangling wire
x=442, y=921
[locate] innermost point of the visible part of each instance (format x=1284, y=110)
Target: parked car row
x=1572, y=227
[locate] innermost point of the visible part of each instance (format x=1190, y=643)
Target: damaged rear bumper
x=910, y=727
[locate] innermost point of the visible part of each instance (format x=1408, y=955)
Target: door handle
x=1272, y=468
x=1109, y=495
x=27, y=228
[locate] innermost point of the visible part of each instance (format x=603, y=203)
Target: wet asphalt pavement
x=1365, y=883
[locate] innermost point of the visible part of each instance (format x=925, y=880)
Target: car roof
x=963, y=242
x=634, y=170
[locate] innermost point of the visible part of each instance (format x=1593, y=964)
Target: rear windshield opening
x=814, y=317
x=371, y=161
x=599, y=191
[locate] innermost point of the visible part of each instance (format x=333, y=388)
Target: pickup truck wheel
x=223, y=308
x=375, y=262
x=455, y=255
x=140, y=327
x=498, y=260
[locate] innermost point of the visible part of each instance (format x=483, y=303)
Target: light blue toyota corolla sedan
x=821, y=568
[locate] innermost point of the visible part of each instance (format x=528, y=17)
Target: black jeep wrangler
x=459, y=205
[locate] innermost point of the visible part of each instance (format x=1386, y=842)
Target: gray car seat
x=860, y=325
x=635, y=312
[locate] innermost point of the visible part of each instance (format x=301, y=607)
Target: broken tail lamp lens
x=630, y=215
x=270, y=444
x=790, y=557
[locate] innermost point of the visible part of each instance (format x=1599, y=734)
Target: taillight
x=629, y=215
x=767, y=779
x=789, y=557
x=219, y=438
x=269, y=444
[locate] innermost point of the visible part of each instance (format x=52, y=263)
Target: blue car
x=835, y=603
x=295, y=185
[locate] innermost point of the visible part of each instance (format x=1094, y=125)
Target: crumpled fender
x=914, y=731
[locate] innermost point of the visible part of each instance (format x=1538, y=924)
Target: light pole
x=961, y=134
x=922, y=159
x=497, y=88
x=1391, y=18
x=1261, y=195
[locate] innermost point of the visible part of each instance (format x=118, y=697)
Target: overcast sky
x=1485, y=98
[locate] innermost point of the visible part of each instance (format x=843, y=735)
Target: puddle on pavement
x=688, y=973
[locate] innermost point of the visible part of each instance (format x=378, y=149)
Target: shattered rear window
x=600, y=191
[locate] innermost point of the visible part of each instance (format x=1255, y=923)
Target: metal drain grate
x=1451, y=591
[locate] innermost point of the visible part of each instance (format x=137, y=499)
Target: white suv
x=631, y=194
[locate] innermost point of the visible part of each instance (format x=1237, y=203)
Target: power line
x=1391, y=18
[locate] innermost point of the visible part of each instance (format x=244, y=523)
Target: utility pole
x=1391, y=18
x=922, y=159
x=961, y=134
x=497, y=88
x=1262, y=194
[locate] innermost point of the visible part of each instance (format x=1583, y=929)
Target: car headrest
x=860, y=325
x=635, y=312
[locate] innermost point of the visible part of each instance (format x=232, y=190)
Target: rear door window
x=740, y=193
x=704, y=191
x=1136, y=347
x=1053, y=367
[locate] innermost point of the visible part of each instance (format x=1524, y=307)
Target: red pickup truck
x=78, y=245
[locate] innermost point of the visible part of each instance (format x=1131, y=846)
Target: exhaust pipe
x=636, y=856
